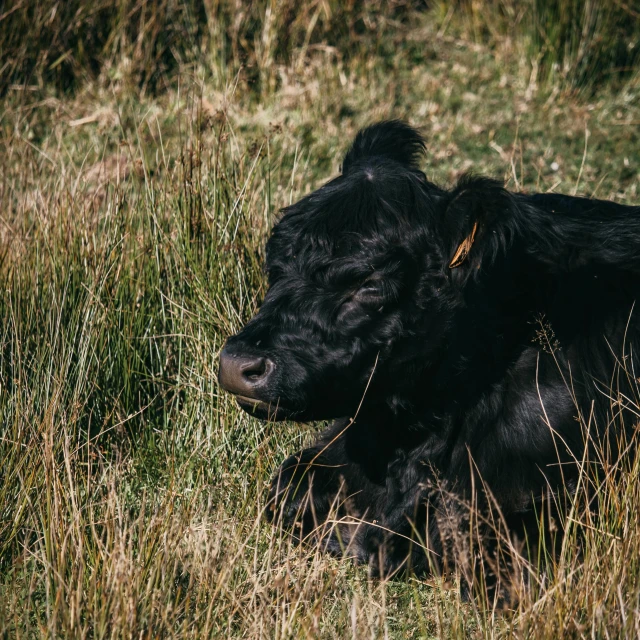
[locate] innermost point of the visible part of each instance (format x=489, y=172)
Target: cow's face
x=358, y=294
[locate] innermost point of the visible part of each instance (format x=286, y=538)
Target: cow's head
x=360, y=287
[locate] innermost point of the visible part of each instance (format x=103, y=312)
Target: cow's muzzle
x=244, y=375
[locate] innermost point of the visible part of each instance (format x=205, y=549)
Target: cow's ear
x=391, y=139
x=475, y=221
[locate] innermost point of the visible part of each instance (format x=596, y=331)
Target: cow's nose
x=243, y=375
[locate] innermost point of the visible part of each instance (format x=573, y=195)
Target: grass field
x=136, y=193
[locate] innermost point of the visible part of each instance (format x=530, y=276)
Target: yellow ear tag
x=464, y=248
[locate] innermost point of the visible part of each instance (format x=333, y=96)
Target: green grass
x=134, y=214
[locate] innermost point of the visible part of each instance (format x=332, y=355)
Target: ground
x=132, y=232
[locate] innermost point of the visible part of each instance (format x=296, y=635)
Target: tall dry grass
x=581, y=44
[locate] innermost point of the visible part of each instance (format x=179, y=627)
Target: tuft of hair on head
x=391, y=139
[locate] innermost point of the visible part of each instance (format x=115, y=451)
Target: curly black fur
x=476, y=374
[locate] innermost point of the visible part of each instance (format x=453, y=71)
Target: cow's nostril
x=244, y=374
x=255, y=370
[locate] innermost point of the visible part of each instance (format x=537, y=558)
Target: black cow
x=475, y=347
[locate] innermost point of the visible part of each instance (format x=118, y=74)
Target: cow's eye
x=370, y=291
x=369, y=296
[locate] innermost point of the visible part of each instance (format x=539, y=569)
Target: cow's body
x=495, y=335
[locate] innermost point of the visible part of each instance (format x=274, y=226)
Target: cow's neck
x=494, y=326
